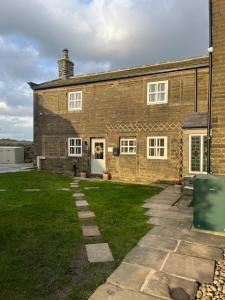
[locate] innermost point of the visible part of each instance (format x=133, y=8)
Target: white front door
x=97, y=156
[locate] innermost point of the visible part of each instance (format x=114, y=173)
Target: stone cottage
x=145, y=123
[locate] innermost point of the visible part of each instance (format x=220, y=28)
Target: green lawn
x=42, y=253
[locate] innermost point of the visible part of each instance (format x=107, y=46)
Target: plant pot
x=106, y=176
x=83, y=175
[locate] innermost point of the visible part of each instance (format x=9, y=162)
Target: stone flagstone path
x=96, y=252
x=169, y=261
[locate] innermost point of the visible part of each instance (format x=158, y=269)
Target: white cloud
x=100, y=34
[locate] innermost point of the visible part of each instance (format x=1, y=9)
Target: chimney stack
x=66, y=67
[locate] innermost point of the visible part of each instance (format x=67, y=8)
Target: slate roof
x=190, y=63
x=195, y=120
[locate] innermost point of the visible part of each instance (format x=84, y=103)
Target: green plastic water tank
x=209, y=203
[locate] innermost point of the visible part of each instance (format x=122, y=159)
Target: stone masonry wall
x=218, y=93
x=117, y=102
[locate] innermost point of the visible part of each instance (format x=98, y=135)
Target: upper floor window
x=157, y=147
x=74, y=147
x=75, y=100
x=128, y=146
x=157, y=92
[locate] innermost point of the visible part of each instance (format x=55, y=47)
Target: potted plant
x=106, y=175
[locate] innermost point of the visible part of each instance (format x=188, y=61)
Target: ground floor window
x=128, y=146
x=74, y=147
x=157, y=147
x=198, y=153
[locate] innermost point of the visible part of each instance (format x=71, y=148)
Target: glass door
x=198, y=153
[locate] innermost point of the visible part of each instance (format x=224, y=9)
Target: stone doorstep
x=86, y=214
x=170, y=287
x=78, y=195
x=202, y=251
x=129, y=276
x=199, y=269
x=146, y=257
x=98, y=253
x=90, y=230
x=175, y=223
x=157, y=242
x=81, y=203
x=112, y=292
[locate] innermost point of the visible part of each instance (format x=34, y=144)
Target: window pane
x=205, y=150
x=72, y=142
x=78, y=142
x=196, y=153
x=152, y=152
x=152, y=88
x=161, y=96
x=152, y=142
x=77, y=104
x=152, y=97
x=161, y=152
x=161, y=87
x=72, y=96
x=78, y=96
x=161, y=142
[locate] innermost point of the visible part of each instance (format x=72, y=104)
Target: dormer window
x=157, y=92
x=75, y=100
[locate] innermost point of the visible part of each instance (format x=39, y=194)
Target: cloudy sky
x=100, y=34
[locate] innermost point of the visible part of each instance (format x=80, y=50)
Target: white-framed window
x=75, y=100
x=198, y=153
x=157, y=92
x=157, y=147
x=74, y=147
x=128, y=146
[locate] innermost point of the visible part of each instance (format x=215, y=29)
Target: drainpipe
x=209, y=91
x=196, y=90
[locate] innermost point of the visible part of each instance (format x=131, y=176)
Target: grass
x=42, y=253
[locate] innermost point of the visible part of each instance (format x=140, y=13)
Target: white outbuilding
x=11, y=155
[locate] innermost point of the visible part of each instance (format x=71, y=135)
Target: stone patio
x=170, y=260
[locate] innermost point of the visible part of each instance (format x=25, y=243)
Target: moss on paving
x=41, y=246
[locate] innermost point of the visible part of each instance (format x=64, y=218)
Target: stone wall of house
x=108, y=108
x=218, y=92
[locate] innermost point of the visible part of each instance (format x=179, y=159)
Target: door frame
x=201, y=153
x=101, y=139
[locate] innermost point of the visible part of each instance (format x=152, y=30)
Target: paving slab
x=199, y=269
x=90, y=230
x=175, y=223
x=168, y=231
x=113, y=292
x=98, y=252
x=91, y=187
x=206, y=239
x=31, y=190
x=63, y=189
x=156, y=206
x=78, y=195
x=166, y=286
x=129, y=276
x=168, y=214
x=81, y=203
x=157, y=242
x=203, y=251
x=2, y=190
x=146, y=257
x=86, y=214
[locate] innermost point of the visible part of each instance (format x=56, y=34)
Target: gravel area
x=217, y=289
